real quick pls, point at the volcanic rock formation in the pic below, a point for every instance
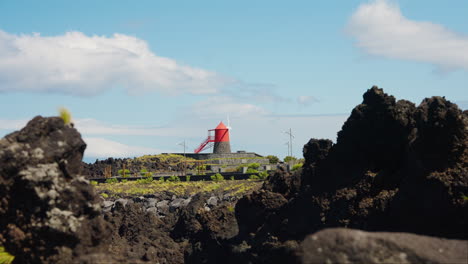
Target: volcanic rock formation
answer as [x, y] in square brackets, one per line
[395, 167]
[48, 213]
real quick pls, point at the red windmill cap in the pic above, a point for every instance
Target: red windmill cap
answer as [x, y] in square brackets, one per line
[221, 126]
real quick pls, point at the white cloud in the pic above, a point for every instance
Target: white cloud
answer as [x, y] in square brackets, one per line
[380, 29]
[222, 106]
[89, 126]
[104, 148]
[75, 63]
[8, 124]
[306, 99]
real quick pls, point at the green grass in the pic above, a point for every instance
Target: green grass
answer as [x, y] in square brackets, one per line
[5, 257]
[135, 188]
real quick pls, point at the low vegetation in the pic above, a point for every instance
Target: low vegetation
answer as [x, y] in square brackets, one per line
[65, 115]
[217, 177]
[143, 187]
[273, 159]
[297, 166]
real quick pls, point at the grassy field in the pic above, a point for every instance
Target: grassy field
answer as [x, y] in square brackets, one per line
[135, 188]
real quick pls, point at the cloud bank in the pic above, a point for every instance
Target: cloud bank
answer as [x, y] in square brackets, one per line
[223, 106]
[381, 29]
[104, 148]
[77, 64]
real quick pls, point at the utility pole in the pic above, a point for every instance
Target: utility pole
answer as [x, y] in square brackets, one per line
[287, 143]
[185, 159]
[290, 152]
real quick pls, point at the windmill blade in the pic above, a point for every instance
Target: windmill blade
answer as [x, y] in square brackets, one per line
[228, 123]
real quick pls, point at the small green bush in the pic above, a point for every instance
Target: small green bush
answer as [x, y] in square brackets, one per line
[254, 177]
[231, 178]
[254, 166]
[145, 173]
[173, 178]
[263, 175]
[187, 178]
[65, 115]
[123, 173]
[272, 159]
[296, 166]
[94, 183]
[217, 177]
[145, 180]
[104, 195]
[161, 179]
[112, 180]
[251, 170]
[124, 181]
[289, 158]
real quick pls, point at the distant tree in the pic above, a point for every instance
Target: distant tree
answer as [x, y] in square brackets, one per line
[273, 159]
[289, 158]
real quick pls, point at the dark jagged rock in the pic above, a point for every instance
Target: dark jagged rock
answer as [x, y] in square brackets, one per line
[140, 235]
[283, 182]
[442, 133]
[395, 167]
[48, 213]
[252, 210]
[340, 245]
[315, 151]
[205, 230]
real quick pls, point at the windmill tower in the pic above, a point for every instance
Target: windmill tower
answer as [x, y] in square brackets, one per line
[220, 140]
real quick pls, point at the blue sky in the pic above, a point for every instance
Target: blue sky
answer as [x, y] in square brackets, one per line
[140, 77]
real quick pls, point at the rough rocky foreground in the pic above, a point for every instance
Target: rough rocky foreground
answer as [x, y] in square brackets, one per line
[395, 167]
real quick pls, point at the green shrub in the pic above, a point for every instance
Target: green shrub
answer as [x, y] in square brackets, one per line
[251, 170]
[217, 177]
[231, 178]
[65, 115]
[123, 173]
[112, 180]
[161, 179]
[145, 173]
[296, 166]
[124, 181]
[145, 180]
[187, 178]
[263, 175]
[173, 178]
[289, 158]
[273, 159]
[94, 183]
[254, 166]
[104, 195]
[254, 177]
